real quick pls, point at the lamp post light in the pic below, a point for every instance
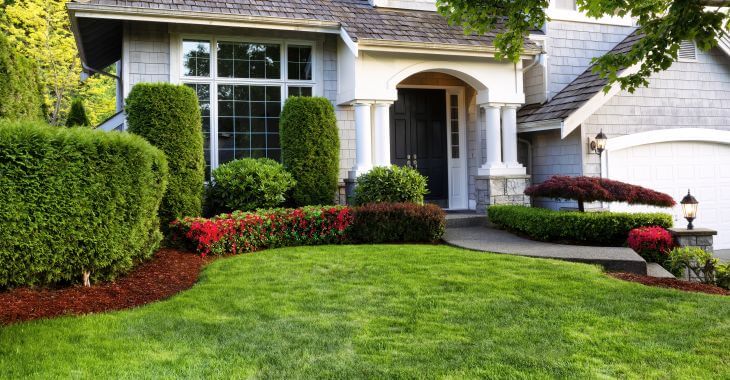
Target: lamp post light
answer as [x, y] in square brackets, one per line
[600, 143]
[689, 209]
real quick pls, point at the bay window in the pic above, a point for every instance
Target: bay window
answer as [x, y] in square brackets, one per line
[241, 86]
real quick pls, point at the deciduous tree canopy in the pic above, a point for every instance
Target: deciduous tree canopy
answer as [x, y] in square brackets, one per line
[664, 24]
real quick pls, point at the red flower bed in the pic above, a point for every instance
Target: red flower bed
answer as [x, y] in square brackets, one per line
[592, 189]
[242, 232]
[652, 243]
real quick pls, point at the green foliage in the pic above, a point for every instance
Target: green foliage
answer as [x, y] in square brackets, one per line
[77, 115]
[310, 149]
[722, 275]
[694, 262]
[249, 184]
[390, 184]
[663, 25]
[398, 223]
[388, 312]
[592, 228]
[74, 200]
[20, 95]
[168, 116]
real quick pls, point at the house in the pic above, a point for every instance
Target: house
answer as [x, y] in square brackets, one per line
[411, 90]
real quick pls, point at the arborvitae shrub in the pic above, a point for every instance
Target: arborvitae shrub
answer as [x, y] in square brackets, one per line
[20, 91]
[75, 200]
[310, 149]
[169, 118]
[77, 115]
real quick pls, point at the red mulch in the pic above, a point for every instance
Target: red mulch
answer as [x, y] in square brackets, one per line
[169, 272]
[672, 283]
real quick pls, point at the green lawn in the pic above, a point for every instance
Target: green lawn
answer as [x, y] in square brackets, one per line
[388, 311]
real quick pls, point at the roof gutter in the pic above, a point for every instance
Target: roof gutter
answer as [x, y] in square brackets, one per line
[79, 10]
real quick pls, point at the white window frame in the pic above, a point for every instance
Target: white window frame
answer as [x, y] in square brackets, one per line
[177, 77]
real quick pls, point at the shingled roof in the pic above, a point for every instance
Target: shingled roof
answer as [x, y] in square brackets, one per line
[360, 19]
[575, 94]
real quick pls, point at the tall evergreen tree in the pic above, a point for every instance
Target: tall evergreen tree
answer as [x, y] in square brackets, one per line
[77, 115]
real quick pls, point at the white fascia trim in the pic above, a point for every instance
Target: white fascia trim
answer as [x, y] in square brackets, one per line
[352, 45]
[202, 18]
[555, 14]
[535, 126]
[434, 48]
[580, 115]
[668, 135]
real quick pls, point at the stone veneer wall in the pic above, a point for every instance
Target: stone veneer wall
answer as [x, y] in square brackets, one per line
[501, 190]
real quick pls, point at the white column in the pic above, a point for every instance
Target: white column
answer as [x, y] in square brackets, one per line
[494, 139]
[381, 134]
[509, 135]
[363, 141]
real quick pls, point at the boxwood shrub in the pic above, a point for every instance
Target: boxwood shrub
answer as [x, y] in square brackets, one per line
[75, 200]
[391, 184]
[591, 228]
[310, 149]
[398, 223]
[169, 118]
[248, 184]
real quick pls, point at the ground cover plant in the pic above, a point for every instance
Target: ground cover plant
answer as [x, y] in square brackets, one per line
[388, 311]
[75, 203]
[591, 228]
[592, 189]
[398, 223]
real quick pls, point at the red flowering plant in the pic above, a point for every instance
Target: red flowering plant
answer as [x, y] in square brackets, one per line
[653, 243]
[241, 232]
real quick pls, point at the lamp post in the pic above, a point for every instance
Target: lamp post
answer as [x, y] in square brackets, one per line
[689, 209]
[600, 143]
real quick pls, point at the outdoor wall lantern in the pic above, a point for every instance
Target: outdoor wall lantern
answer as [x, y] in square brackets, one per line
[598, 144]
[689, 209]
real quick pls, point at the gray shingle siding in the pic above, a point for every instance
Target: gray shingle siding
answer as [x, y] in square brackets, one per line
[572, 45]
[551, 156]
[687, 95]
[149, 52]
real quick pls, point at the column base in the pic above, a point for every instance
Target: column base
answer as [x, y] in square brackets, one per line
[356, 172]
[501, 189]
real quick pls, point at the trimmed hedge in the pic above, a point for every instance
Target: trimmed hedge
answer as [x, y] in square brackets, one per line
[310, 149]
[398, 223]
[75, 200]
[248, 184]
[592, 228]
[392, 184]
[168, 116]
[21, 96]
[242, 232]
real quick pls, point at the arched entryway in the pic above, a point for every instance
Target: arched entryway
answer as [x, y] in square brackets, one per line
[428, 132]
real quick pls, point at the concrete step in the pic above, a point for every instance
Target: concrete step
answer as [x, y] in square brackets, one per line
[656, 270]
[464, 219]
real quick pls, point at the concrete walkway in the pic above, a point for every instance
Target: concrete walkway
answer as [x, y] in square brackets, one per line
[481, 238]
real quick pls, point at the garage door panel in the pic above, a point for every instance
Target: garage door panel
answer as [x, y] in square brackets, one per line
[674, 167]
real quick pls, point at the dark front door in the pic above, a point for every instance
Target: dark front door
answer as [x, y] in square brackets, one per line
[418, 138]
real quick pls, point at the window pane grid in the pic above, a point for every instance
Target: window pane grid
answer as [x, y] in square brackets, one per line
[249, 61]
[454, 123]
[299, 62]
[203, 93]
[196, 58]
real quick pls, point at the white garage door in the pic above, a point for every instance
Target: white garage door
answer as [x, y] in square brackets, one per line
[675, 167]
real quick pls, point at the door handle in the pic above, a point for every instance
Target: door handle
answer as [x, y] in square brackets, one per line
[415, 161]
[408, 161]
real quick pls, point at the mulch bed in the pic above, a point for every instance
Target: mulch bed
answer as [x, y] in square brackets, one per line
[672, 283]
[169, 272]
